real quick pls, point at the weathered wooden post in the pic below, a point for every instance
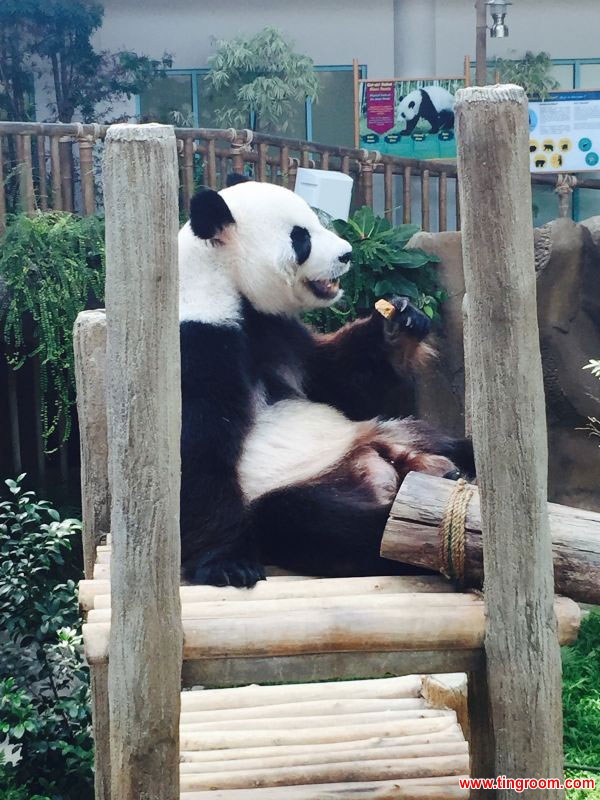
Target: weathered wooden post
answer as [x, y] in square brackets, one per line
[144, 418]
[509, 432]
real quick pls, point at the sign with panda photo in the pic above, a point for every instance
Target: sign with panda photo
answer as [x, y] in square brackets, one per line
[410, 118]
[564, 132]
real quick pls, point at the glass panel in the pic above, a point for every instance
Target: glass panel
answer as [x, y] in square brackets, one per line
[588, 202]
[333, 113]
[545, 204]
[563, 73]
[589, 76]
[168, 100]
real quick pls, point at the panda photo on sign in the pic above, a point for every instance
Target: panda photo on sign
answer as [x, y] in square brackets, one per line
[285, 457]
[434, 104]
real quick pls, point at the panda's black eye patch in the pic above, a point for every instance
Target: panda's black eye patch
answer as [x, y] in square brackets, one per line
[301, 243]
[411, 104]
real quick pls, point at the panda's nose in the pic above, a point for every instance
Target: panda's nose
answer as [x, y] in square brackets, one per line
[345, 258]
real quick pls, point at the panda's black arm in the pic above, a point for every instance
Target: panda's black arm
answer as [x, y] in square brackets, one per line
[356, 368]
[216, 408]
[410, 126]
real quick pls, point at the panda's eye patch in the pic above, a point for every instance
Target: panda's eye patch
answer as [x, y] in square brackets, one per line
[301, 243]
[411, 104]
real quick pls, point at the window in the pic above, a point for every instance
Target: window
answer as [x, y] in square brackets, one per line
[185, 98]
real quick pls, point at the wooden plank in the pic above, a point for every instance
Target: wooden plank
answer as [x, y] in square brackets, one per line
[211, 164]
[388, 191]
[187, 172]
[26, 192]
[523, 658]
[220, 672]
[89, 345]
[65, 148]
[144, 421]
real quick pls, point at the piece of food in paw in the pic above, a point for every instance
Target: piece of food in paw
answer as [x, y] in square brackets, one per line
[385, 308]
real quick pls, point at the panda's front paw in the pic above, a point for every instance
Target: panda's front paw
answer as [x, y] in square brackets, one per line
[407, 320]
[243, 573]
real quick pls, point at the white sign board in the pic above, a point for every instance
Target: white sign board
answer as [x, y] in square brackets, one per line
[564, 132]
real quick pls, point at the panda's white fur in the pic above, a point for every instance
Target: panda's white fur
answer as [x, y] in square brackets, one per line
[279, 428]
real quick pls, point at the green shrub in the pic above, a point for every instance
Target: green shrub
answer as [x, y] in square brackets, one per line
[51, 264]
[381, 267]
[581, 706]
[44, 686]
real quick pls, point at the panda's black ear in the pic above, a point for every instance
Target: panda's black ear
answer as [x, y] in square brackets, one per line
[209, 214]
[236, 177]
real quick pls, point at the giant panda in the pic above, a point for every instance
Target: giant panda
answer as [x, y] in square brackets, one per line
[432, 103]
[284, 458]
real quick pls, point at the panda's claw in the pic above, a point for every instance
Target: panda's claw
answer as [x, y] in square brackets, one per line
[242, 573]
[407, 320]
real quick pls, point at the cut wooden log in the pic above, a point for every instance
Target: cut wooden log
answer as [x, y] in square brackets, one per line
[309, 708]
[222, 740]
[96, 593]
[412, 536]
[342, 628]
[317, 721]
[233, 608]
[446, 788]
[250, 696]
[318, 754]
[395, 769]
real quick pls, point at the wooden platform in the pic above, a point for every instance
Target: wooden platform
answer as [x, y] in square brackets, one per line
[369, 739]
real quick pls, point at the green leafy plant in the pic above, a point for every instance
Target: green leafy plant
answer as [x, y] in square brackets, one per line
[593, 424]
[382, 266]
[44, 688]
[262, 79]
[532, 72]
[50, 266]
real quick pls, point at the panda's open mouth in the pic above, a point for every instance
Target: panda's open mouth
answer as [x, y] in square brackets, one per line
[324, 289]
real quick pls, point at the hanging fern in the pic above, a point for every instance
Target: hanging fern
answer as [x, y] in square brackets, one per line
[50, 265]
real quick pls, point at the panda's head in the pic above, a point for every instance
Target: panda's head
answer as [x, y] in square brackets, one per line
[269, 245]
[409, 106]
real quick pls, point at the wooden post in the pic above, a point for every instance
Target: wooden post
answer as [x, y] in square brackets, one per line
[144, 420]
[89, 344]
[356, 86]
[406, 195]
[86, 169]
[26, 191]
[2, 193]
[509, 432]
[284, 164]
[65, 148]
[388, 192]
[211, 165]
[57, 203]
[42, 176]
[187, 172]
[480, 43]
[425, 219]
[442, 202]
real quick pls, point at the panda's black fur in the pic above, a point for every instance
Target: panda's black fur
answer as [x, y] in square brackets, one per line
[239, 370]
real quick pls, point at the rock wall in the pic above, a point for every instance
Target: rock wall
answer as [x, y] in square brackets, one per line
[568, 303]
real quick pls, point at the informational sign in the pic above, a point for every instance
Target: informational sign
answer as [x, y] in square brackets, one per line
[564, 132]
[409, 118]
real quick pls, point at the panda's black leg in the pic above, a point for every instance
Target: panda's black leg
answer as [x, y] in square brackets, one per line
[320, 530]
